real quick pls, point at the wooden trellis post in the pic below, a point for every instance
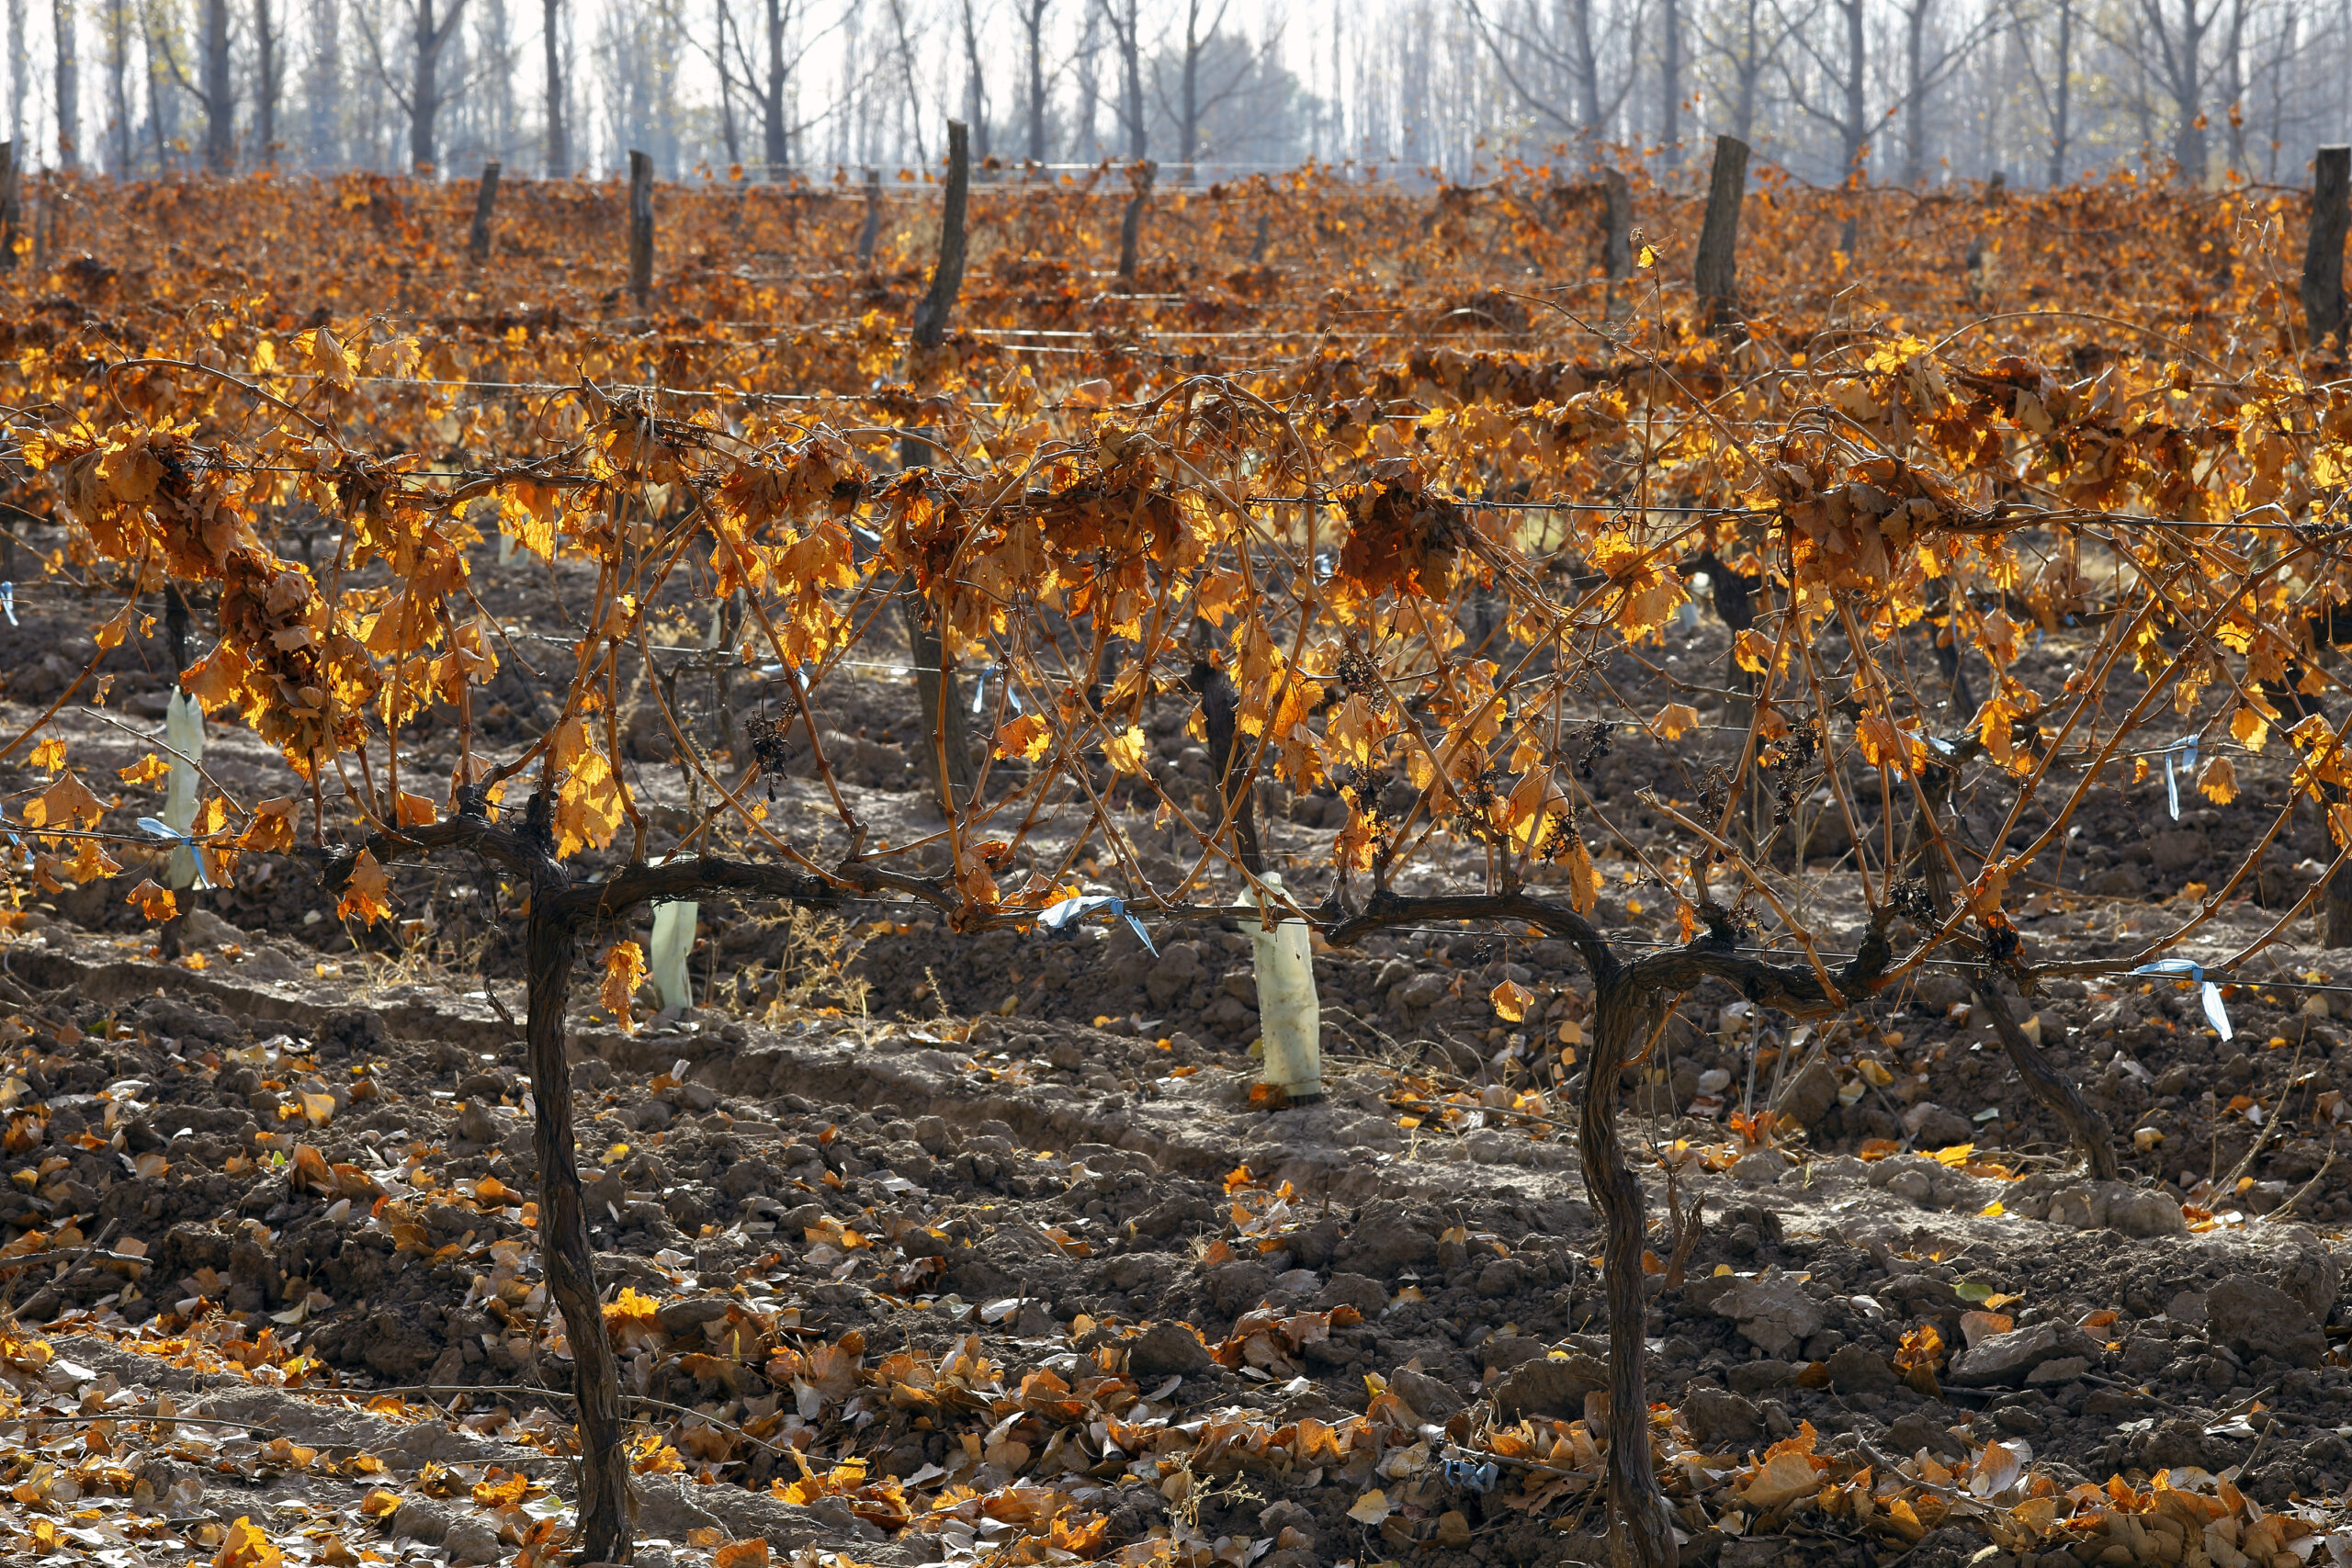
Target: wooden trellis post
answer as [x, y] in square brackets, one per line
[872, 232]
[9, 215]
[485, 199]
[2324, 255]
[640, 227]
[1717, 271]
[1131, 224]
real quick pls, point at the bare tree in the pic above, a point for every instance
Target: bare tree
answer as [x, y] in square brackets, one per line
[2234, 82]
[558, 143]
[976, 95]
[1540, 71]
[1032, 33]
[1194, 98]
[323, 84]
[269, 79]
[218, 94]
[69, 86]
[119, 127]
[2054, 89]
[162, 107]
[1925, 69]
[1084, 141]
[906, 60]
[728, 130]
[1669, 78]
[213, 88]
[1125, 20]
[2177, 33]
[1846, 68]
[774, 136]
[1736, 36]
[20, 73]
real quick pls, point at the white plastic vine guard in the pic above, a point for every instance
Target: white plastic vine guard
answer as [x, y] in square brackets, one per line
[184, 735]
[1290, 1019]
[673, 942]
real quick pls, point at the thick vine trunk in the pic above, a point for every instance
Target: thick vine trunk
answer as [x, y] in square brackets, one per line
[2086, 1127]
[1229, 749]
[550, 945]
[947, 750]
[1640, 1532]
[559, 912]
[2335, 909]
[1131, 226]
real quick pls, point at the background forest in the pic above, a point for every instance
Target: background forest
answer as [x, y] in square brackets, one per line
[1901, 91]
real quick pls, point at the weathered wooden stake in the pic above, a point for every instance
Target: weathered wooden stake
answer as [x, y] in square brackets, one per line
[1716, 273]
[2324, 256]
[1616, 226]
[640, 227]
[873, 230]
[9, 182]
[948, 758]
[947, 275]
[1131, 224]
[485, 199]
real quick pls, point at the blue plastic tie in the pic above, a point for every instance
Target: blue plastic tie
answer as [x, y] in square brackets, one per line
[8, 601]
[2186, 749]
[1465, 1476]
[1055, 917]
[160, 830]
[2189, 969]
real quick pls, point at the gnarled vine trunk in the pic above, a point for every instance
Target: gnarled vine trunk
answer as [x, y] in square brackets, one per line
[550, 942]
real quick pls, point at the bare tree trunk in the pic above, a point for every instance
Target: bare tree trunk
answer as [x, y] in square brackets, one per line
[1914, 91]
[2062, 94]
[485, 202]
[1855, 126]
[1188, 131]
[1127, 36]
[424, 100]
[976, 95]
[2233, 80]
[1670, 81]
[269, 80]
[1032, 23]
[119, 127]
[640, 227]
[322, 86]
[1585, 63]
[218, 93]
[69, 86]
[559, 148]
[728, 130]
[774, 141]
[19, 73]
[2322, 282]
